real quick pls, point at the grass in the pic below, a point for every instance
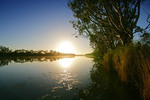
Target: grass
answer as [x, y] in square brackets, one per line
[132, 63]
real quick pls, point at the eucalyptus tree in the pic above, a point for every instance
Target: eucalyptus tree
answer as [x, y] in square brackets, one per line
[106, 23]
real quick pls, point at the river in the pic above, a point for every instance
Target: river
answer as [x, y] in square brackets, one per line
[74, 78]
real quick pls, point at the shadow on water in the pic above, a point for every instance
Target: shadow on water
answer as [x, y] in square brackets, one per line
[105, 85]
[7, 60]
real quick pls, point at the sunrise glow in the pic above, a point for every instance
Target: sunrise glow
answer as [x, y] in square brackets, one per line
[65, 47]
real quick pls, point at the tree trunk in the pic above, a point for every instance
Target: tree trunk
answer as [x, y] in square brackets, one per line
[125, 38]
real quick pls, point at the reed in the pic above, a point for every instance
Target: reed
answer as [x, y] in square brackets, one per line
[132, 63]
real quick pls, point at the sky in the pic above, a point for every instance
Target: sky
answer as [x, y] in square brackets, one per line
[38, 24]
[43, 24]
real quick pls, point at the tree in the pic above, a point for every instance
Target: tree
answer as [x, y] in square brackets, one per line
[4, 49]
[144, 33]
[106, 22]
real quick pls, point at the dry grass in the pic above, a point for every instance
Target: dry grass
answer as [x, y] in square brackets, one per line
[132, 63]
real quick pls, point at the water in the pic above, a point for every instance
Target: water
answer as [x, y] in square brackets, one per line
[77, 78]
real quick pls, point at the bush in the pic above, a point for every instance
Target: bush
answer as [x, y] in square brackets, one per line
[132, 63]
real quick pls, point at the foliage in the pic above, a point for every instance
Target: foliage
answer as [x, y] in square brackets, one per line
[145, 38]
[132, 63]
[107, 23]
[4, 49]
[110, 25]
[6, 52]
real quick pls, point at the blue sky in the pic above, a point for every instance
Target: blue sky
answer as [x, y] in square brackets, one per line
[38, 24]
[42, 24]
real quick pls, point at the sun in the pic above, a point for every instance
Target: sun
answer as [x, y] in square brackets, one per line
[65, 47]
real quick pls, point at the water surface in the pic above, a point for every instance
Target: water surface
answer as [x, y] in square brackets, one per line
[77, 78]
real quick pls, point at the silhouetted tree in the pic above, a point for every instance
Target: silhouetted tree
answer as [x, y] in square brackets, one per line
[4, 49]
[107, 23]
[6, 52]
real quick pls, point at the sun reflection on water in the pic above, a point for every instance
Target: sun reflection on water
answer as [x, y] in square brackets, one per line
[65, 80]
[66, 62]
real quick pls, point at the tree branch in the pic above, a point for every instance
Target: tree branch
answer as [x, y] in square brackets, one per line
[119, 13]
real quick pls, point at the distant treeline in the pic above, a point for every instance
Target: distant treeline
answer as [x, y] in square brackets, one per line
[6, 52]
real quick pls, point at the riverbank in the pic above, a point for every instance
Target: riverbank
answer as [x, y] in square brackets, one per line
[132, 63]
